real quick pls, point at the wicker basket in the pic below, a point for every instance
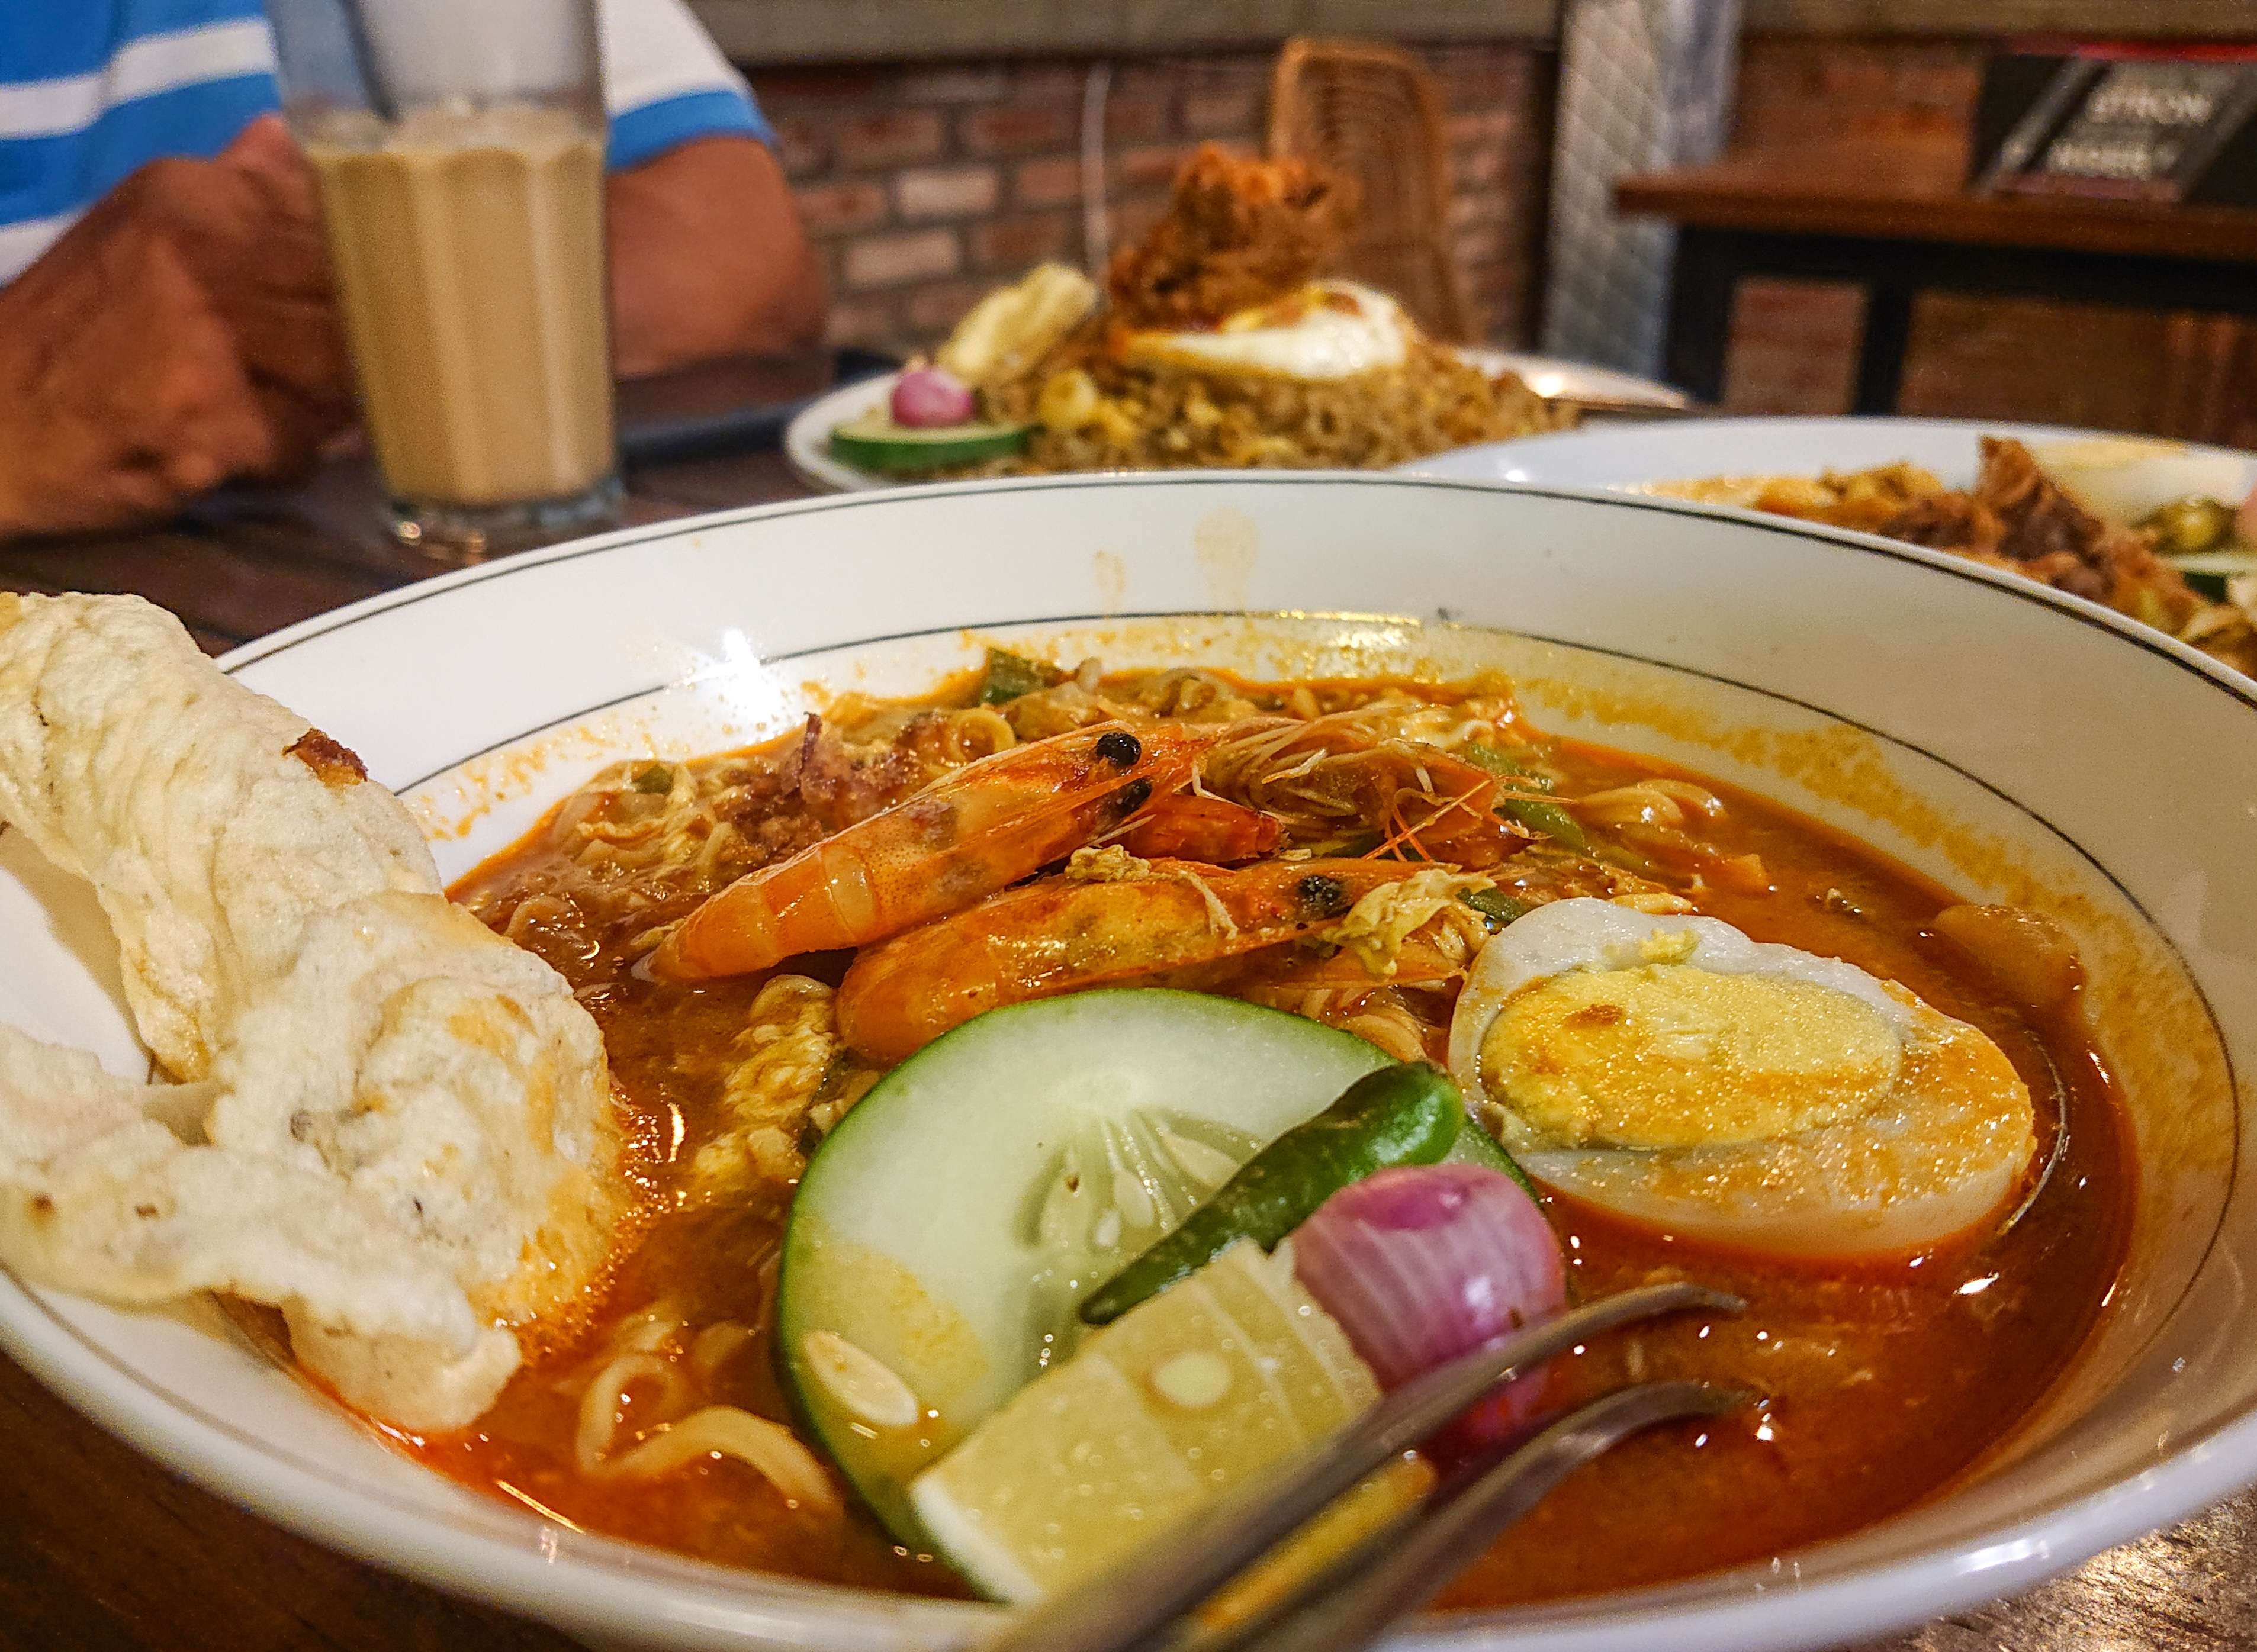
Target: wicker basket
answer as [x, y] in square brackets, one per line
[1371, 112]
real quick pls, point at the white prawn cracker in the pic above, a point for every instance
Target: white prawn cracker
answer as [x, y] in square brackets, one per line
[395, 1126]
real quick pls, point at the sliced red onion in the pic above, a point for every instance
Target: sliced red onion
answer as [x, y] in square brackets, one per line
[1422, 1263]
[925, 397]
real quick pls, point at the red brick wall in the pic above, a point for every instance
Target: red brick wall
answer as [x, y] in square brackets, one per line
[1800, 91]
[924, 186]
[1793, 347]
[1794, 344]
[2172, 373]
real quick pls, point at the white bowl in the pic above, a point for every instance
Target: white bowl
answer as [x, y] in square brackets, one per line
[2017, 744]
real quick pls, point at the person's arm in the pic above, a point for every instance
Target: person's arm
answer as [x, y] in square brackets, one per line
[708, 258]
[180, 333]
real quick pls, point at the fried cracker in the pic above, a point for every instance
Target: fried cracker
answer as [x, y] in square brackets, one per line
[399, 1128]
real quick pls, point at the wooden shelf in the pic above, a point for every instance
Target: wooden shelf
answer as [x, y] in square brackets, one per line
[1919, 194]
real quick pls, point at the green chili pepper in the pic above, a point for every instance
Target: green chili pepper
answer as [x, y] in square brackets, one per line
[1402, 1114]
[2186, 526]
[1495, 908]
[1010, 675]
[1506, 766]
[657, 780]
[1495, 759]
[1541, 814]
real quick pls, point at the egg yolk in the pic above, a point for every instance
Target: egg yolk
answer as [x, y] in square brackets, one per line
[1670, 1055]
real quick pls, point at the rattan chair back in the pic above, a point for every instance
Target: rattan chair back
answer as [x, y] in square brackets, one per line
[1372, 112]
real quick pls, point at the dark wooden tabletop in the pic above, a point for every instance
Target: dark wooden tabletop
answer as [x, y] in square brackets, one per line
[1917, 192]
[103, 1551]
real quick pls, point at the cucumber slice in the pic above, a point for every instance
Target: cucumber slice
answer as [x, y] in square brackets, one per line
[1402, 1114]
[873, 442]
[947, 1232]
[2207, 571]
[2232, 559]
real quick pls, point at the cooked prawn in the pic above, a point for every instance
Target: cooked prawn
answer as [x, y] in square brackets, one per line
[1345, 782]
[1171, 922]
[1186, 827]
[964, 837]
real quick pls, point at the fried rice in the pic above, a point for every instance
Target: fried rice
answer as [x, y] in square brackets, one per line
[1127, 416]
[1239, 233]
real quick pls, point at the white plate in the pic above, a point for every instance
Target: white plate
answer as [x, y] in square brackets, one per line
[807, 439]
[1555, 376]
[1683, 449]
[2010, 741]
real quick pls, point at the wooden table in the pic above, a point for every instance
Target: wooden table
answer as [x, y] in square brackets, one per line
[1899, 220]
[103, 1551]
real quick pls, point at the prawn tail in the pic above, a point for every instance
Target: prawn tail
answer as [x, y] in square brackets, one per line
[734, 933]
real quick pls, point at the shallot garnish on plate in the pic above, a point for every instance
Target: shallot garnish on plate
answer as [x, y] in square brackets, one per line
[925, 398]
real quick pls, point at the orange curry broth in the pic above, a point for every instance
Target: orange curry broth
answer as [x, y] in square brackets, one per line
[1887, 1380]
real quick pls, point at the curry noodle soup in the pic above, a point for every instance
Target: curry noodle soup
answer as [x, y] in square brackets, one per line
[1889, 1374]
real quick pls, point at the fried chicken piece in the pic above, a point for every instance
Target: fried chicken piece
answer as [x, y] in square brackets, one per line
[2040, 519]
[2018, 518]
[1238, 232]
[1949, 521]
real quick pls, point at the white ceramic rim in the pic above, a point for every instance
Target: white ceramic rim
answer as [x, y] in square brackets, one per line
[1573, 381]
[807, 438]
[611, 1585]
[1816, 434]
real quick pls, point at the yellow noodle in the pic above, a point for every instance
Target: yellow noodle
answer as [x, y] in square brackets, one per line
[1133, 416]
[605, 1400]
[1638, 804]
[976, 732]
[1393, 1028]
[1699, 798]
[768, 1447]
[716, 1345]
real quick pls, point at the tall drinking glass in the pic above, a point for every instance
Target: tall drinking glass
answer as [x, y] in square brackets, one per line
[460, 149]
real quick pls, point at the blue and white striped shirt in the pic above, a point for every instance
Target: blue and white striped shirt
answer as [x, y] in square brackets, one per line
[91, 89]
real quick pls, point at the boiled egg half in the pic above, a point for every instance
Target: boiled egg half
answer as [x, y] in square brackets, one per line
[1324, 331]
[1675, 1071]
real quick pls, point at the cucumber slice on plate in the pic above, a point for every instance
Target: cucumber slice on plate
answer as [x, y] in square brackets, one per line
[873, 442]
[947, 1232]
[2207, 571]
